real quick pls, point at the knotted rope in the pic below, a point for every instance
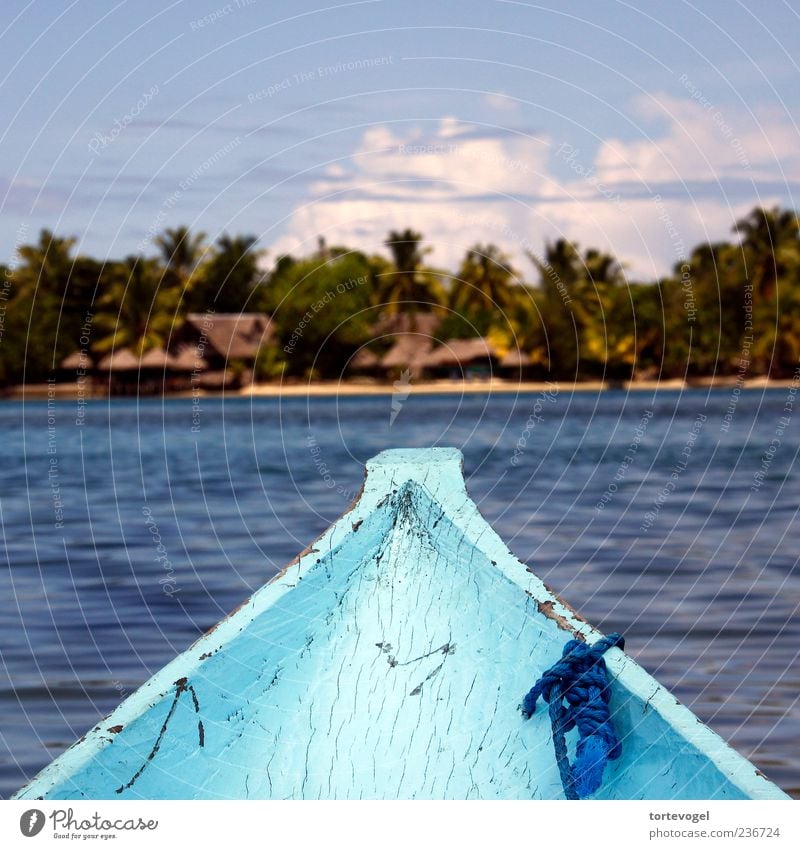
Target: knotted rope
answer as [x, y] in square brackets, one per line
[580, 679]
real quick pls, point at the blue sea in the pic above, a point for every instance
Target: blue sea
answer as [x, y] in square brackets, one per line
[131, 527]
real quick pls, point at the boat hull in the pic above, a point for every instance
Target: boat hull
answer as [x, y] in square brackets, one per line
[388, 661]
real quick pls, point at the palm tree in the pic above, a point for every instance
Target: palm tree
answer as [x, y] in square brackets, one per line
[409, 287]
[482, 291]
[770, 241]
[181, 250]
[138, 309]
[407, 254]
[45, 267]
[605, 319]
[603, 270]
[484, 280]
[561, 279]
[559, 271]
[226, 282]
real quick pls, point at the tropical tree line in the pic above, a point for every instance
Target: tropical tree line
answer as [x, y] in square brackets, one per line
[733, 307]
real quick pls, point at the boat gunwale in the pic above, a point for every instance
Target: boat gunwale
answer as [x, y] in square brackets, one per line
[385, 474]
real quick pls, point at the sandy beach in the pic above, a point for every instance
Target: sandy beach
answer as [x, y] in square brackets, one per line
[70, 391]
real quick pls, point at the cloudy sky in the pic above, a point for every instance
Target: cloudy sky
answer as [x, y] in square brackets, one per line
[638, 127]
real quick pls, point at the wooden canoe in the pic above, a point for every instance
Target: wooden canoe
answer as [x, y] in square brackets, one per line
[389, 661]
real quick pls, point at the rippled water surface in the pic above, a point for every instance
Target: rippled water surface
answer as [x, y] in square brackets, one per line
[693, 555]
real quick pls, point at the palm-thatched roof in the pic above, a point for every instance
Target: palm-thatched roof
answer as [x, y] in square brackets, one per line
[187, 358]
[460, 352]
[121, 359]
[365, 359]
[156, 358]
[515, 359]
[235, 336]
[409, 349]
[76, 360]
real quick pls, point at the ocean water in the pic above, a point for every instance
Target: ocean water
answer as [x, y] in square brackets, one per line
[129, 528]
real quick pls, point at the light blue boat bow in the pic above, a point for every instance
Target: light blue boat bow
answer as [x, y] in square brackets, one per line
[388, 661]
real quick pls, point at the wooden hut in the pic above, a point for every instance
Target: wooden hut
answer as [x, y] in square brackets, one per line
[119, 370]
[515, 365]
[462, 358]
[227, 344]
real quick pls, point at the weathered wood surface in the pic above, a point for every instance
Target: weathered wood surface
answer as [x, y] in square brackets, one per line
[388, 662]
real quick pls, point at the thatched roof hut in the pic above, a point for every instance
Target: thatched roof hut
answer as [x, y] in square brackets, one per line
[228, 336]
[119, 360]
[408, 351]
[187, 358]
[460, 353]
[76, 360]
[156, 358]
[215, 380]
[364, 360]
[515, 359]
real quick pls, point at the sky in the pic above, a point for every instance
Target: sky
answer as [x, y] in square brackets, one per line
[641, 128]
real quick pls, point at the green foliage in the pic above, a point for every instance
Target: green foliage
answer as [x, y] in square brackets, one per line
[482, 291]
[407, 286]
[732, 308]
[321, 311]
[227, 281]
[138, 309]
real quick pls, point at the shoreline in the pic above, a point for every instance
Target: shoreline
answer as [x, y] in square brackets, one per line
[72, 392]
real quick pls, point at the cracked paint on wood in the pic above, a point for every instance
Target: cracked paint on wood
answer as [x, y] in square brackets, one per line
[388, 662]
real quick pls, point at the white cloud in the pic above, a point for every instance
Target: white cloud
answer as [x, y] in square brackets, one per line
[649, 200]
[501, 102]
[702, 142]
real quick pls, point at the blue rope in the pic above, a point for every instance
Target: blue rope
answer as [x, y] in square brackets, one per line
[580, 679]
